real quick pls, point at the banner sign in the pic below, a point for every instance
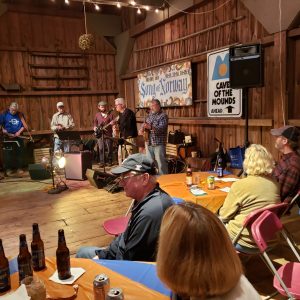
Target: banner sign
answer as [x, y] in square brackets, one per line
[222, 100]
[171, 84]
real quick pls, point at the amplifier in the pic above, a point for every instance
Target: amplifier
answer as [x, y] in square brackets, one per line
[77, 164]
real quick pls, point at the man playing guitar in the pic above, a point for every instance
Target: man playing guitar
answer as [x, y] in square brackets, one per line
[102, 126]
[13, 124]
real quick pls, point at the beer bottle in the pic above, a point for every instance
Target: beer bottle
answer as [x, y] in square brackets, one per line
[37, 249]
[189, 176]
[24, 259]
[63, 257]
[4, 271]
[220, 167]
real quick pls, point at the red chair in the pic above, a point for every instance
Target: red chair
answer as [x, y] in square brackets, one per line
[287, 277]
[118, 225]
[278, 209]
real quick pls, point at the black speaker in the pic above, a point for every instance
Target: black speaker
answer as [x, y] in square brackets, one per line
[246, 66]
[38, 172]
[77, 164]
[99, 179]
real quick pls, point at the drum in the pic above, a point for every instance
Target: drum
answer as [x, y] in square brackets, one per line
[175, 165]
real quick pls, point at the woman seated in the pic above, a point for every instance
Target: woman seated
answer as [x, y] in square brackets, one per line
[256, 191]
[196, 259]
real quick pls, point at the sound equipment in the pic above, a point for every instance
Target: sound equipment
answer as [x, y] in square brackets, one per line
[246, 66]
[77, 164]
[38, 172]
[99, 179]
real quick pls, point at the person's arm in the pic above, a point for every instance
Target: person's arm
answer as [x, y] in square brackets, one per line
[289, 182]
[53, 125]
[19, 132]
[71, 123]
[230, 207]
[111, 251]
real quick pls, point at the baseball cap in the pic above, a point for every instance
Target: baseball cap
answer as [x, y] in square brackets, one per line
[136, 162]
[102, 103]
[289, 132]
[58, 104]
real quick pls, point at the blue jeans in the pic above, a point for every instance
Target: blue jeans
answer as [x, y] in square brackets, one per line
[59, 145]
[158, 153]
[87, 252]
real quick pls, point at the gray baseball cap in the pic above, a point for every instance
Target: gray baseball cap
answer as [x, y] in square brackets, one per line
[136, 162]
[289, 132]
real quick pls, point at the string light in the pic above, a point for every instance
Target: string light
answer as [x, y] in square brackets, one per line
[147, 7]
[156, 10]
[67, 2]
[139, 11]
[133, 3]
[118, 5]
[97, 7]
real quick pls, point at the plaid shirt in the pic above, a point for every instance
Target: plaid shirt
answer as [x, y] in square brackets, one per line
[159, 131]
[287, 173]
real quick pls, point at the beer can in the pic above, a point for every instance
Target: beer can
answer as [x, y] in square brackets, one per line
[101, 286]
[211, 182]
[115, 294]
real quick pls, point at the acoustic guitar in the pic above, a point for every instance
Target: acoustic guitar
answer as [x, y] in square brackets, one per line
[10, 135]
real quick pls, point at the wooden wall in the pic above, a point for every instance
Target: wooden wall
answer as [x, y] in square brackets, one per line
[40, 52]
[193, 35]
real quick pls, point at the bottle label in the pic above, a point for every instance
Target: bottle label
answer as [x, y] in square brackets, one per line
[4, 279]
[25, 269]
[220, 172]
[38, 259]
[189, 180]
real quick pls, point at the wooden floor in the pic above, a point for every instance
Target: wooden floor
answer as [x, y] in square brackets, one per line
[81, 210]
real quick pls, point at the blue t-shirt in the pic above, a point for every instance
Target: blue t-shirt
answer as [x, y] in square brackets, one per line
[12, 123]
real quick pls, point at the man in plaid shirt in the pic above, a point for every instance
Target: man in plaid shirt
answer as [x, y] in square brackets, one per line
[157, 126]
[287, 170]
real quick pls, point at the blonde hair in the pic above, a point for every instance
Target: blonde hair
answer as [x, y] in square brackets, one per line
[195, 256]
[258, 160]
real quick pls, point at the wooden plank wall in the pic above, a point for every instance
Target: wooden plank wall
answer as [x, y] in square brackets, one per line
[27, 38]
[231, 24]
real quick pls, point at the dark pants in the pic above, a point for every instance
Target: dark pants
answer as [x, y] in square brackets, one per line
[108, 146]
[13, 153]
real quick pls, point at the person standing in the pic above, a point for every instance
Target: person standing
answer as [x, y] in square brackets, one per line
[287, 170]
[103, 126]
[157, 126]
[127, 128]
[61, 121]
[13, 127]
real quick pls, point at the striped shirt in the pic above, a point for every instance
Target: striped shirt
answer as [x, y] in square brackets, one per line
[159, 131]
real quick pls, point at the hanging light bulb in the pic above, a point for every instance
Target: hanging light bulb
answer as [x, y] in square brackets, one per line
[118, 5]
[67, 2]
[147, 7]
[133, 3]
[97, 7]
[139, 11]
[156, 10]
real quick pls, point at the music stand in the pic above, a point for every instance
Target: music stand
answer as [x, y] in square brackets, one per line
[67, 136]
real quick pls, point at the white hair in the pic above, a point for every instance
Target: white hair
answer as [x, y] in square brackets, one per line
[14, 105]
[120, 101]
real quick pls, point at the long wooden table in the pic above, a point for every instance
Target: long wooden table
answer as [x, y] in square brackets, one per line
[132, 290]
[175, 186]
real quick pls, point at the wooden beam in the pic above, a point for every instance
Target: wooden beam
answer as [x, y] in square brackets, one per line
[47, 132]
[58, 93]
[294, 33]
[217, 122]
[294, 122]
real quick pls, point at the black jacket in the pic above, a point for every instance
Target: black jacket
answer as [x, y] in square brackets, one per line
[139, 241]
[127, 124]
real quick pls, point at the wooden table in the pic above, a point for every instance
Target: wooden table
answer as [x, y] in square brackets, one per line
[132, 290]
[175, 186]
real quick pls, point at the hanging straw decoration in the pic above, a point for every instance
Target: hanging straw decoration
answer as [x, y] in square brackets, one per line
[86, 41]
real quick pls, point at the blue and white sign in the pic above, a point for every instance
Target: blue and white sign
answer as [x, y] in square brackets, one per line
[222, 101]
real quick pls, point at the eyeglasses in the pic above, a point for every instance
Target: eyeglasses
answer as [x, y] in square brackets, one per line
[123, 178]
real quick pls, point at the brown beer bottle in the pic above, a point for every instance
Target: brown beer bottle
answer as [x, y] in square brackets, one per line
[24, 259]
[37, 249]
[189, 176]
[4, 271]
[63, 257]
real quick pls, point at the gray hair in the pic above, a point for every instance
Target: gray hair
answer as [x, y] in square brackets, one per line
[14, 105]
[120, 101]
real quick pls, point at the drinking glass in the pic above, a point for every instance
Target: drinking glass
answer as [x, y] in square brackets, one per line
[35, 287]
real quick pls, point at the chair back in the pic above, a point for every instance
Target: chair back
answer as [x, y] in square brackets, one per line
[264, 229]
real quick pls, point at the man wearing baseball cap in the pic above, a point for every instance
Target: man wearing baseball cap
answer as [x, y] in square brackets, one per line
[103, 122]
[287, 170]
[60, 121]
[139, 241]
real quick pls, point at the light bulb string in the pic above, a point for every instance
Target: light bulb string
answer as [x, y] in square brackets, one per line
[84, 17]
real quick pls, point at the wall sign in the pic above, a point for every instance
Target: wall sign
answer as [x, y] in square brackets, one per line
[222, 101]
[171, 84]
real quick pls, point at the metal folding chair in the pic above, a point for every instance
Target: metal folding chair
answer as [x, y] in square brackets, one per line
[286, 278]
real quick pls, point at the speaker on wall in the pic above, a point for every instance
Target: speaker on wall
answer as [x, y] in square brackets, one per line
[99, 179]
[77, 164]
[246, 66]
